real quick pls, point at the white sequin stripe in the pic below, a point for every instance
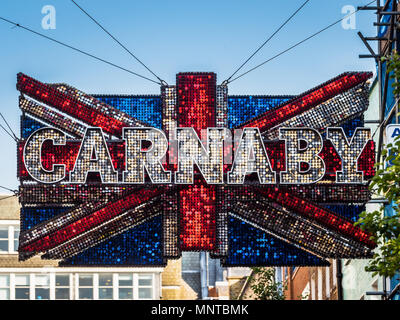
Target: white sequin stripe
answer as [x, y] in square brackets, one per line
[330, 113]
[52, 117]
[100, 106]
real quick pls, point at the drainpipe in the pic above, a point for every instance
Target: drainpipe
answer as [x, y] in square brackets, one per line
[203, 275]
[339, 277]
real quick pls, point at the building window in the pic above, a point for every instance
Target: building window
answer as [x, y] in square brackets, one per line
[62, 287]
[313, 289]
[125, 286]
[15, 238]
[278, 274]
[327, 282]
[22, 287]
[145, 285]
[4, 287]
[319, 291]
[305, 295]
[42, 287]
[3, 238]
[80, 286]
[85, 286]
[9, 235]
[334, 275]
[106, 286]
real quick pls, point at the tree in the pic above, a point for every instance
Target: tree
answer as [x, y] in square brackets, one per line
[393, 68]
[264, 286]
[385, 230]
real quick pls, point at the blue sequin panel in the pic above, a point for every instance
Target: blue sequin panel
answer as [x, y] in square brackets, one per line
[29, 126]
[243, 108]
[249, 246]
[140, 245]
[143, 108]
[31, 217]
[350, 126]
[350, 212]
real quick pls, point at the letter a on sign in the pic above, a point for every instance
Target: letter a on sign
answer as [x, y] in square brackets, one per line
[93, 156]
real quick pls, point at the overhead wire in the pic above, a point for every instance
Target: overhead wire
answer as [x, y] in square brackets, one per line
[117, 41]
[6, 131]
[266, 41]
[299, 43]
[11, 130]
[15, 192]
[79, 50]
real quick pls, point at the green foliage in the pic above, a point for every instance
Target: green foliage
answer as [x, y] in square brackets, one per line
[393, 65]
[385, 230]
[303, 296]
[262, 282]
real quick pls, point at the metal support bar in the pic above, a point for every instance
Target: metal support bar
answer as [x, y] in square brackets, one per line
[383, 294]
[375, 293]
[381, 24]
[385, 89]
[373, 54]
[394, 292]
[384, 288]
[391, 13]
[383, 201]
[339, 276]
[377, 39]
[369, 8]
[365, 56]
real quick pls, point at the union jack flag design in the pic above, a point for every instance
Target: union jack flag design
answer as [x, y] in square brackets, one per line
[145, 225]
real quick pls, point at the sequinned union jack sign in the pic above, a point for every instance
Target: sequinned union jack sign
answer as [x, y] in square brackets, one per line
[137, 179]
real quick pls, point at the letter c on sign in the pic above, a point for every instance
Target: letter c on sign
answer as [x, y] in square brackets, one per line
[32, 155]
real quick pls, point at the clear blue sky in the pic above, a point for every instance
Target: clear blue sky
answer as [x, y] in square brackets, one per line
[174, 36]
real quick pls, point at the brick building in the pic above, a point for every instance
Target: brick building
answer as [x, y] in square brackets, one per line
[38, 279]
[311, 283]
[303, 283]
[194, 276]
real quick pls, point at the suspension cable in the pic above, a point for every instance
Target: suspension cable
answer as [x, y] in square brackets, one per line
[299, 43]
[78, 50]
[117, 41]
[266, 41]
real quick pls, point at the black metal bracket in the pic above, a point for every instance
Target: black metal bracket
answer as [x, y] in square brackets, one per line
[369, 8]
[373, 54]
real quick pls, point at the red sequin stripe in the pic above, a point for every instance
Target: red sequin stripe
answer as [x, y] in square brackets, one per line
[307, 100]
[96, 218]
[196, 97]
[197, 208]
[68, 104]
[67, 154]
[319, 193]
[319, 214]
